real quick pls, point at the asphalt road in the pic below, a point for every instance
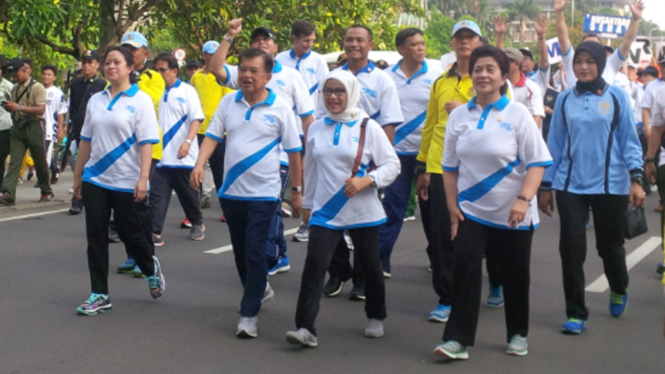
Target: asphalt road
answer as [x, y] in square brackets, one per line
[43, 277]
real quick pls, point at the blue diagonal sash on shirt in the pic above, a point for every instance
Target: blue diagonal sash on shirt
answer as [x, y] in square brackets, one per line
[409, 127]
[481, 188]
[174, 130]
[105, 162]
[238, 169]
[333, 206]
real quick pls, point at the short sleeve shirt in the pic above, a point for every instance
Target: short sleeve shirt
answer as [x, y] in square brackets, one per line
[210, 94]
[254, 133]
[56, 104]
[179, 108]
[414, 94]
[492, 149]
[5, 94]
[528, 93]
[311, 66]
[116, 127]
[34, 97]
[541, 77]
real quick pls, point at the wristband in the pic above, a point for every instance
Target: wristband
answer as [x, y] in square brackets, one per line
[650, 160]
[228, 39]
[296, 189]
[523, 198]
[188, 141]
[421, 168]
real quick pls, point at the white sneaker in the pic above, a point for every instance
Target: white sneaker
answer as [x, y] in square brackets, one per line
[302, 337]
[247, 327]
[374, 328]
[302, 235]
[518, 346]
[347, 238]
[268, 294]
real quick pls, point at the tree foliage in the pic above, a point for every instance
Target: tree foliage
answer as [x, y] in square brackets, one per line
[522, 9]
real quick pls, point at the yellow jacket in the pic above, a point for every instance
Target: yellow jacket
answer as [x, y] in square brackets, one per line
[450, 86]
[152, 83]
[211, 93]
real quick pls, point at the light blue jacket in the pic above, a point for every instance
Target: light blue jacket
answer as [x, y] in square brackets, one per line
[594, 143]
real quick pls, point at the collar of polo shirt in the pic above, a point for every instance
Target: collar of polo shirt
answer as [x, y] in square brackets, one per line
[269, 101]
[130, 92]
[292, 53]
[522, 81]
[329, 121]
[277, 68]
[422, 70]
[176, 85]
[367, 69]
[500, 104]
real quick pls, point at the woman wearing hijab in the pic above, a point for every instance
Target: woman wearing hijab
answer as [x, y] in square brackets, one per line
[337, 199]
[597, 164]
[493, 162]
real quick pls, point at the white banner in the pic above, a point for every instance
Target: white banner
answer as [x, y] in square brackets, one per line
[641, 51]
[553, 50]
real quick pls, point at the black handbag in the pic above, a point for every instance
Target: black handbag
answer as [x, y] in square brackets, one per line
[636, 223]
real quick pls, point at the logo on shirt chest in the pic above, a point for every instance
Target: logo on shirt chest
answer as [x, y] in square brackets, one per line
[270, 119]
[505, 126]
[427, 81]
[181, 100]
[604, 107]
[310, 70]
[281, 83]
[369, 92]
[130, 108]
[355, 139]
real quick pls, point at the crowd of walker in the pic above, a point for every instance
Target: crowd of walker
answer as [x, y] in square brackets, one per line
[483, 144]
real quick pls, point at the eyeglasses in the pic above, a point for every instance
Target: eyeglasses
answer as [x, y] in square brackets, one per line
[163, 70]
[337, 91]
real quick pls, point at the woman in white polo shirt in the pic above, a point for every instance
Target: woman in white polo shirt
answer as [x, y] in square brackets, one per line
[337, 199]
[112, 172]
[494, 159]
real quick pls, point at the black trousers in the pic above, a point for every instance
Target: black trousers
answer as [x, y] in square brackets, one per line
[436, 223]
[341, 268]
[133, 222]
[163, 181]
[510, 250]
[216, 161]
[320, 248]
[4, 151]
[249, 223]
[608, 220]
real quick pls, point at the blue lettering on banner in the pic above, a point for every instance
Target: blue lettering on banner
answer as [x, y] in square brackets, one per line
[598, 23]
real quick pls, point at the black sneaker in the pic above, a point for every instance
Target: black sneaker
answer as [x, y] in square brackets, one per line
[157, 240]
[357, 293]
[46, 197]
[333, 287]
[55, 177]
[6, 200]
[197, 232]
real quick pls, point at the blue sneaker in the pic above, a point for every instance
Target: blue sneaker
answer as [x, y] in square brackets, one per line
[127, 267]
[618, 304]
[440, 314]
[282, 266]
[157, 282]
[574, 326]
[96, 303]
[495, 298]
[661, 269]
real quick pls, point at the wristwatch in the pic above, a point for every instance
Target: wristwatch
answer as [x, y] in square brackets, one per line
[373, 181]
[296, 189]
[228, 39]
[20, 108]
[638, 180]
[188, 141]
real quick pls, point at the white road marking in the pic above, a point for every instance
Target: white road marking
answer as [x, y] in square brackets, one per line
[229, 247]
[601, 284]
[33, 215]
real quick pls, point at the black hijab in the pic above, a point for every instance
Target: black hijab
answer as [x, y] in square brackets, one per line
[596, 50]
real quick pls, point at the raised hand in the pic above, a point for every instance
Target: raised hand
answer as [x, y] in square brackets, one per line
[500, 26]
[560, 5]
[637, 7]
[235, 27]
[541, 24]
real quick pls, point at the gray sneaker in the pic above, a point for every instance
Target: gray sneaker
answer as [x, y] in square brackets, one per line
[205, 201]
[518, 346]
[302, 235]
[268, 294]
[452, 350]
[302, 337]
[247, 327]
[198, 232]
[374, 328]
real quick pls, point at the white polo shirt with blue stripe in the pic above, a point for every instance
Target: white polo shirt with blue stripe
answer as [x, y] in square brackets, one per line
[116, 127]
[330, 154]
[254, 134]
[180, 107]
[378, 96]
[492, 149]
[541, 77]
[414, 95]
[311, 66]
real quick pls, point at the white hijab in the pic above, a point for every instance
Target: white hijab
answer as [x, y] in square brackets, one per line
[352, 85]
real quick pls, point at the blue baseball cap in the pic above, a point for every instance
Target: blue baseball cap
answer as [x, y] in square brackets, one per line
[649, 70]
[210, 47]
[135, 39]
[468, 25]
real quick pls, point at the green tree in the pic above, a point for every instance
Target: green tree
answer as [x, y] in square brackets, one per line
[438, 34]
[521, 10]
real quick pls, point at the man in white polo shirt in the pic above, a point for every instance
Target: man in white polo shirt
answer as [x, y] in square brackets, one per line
[525, 90]
[290, 86]
[379, 98]
[180, 115]
[413, 78]
[256, 122]
[54, 116]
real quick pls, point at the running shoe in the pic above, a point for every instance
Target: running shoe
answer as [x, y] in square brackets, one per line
[223, 218]
[661, 269]
[31, 173]
[573, 326]
[495, 297]
[302, 337]
[55, 176]
[46, 197]
[452, 350]
[205, 201]
[185, 224]
[137, 272]
[113, 236]
[247, 327]
[282, 266]
[409, 218]
[96, 303]
[157, 240]
[440, 314]
[517, 346]
[198, 232]
[302, 235]
[618, 304]
[6, 200]
[127, 267]
[347, 238]
[333, 287]
[286, 210]
[157, 282]
[357, 293]
[268, 294]
[374, 328]
[386, 271]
